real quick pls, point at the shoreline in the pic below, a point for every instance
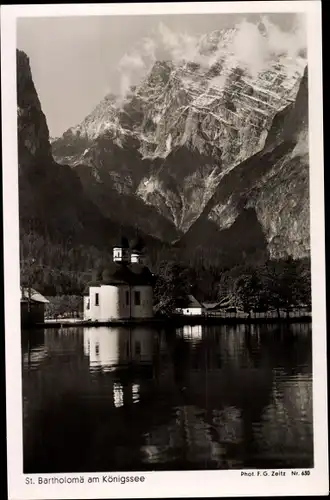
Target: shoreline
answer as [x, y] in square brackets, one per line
[174, 321]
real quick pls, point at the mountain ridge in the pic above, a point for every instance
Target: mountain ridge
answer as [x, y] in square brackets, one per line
[46, 202]
[279, 170]
[196, 146]
[177, 134]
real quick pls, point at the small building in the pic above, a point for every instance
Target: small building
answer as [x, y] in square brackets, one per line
[125, 290]
[190, 307]
[32, 307]
[211, 306]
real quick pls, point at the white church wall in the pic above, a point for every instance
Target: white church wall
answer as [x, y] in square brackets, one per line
[87, 311]
[94, 303]
[110, 302]
[142, 308]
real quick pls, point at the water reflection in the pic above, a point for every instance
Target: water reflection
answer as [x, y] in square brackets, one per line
[34, 350]
[192, 398]
[193, 333]
[109, 349]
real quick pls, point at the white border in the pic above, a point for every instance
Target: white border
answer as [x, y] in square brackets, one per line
[163, 484]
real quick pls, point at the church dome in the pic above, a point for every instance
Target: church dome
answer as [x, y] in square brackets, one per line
[133, 274]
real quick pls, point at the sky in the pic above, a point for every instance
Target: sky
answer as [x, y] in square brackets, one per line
[76, 61]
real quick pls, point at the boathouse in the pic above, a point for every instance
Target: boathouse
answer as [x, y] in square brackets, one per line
[125, 290]
[32, 307]
[190, 307]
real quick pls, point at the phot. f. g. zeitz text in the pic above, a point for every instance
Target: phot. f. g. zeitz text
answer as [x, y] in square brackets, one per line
[263, 473]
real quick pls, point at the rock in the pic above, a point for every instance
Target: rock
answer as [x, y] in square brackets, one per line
[187, 129]
[52, 199]
[274, 183]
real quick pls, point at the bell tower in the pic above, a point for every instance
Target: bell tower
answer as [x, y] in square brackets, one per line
[137, 255]
[121, 253]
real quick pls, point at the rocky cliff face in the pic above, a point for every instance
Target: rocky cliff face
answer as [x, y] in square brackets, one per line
[184, 128]
[45, 187]
[33, 135]
[281, 197]
[52, 200]
[198, 144]
[272, 187]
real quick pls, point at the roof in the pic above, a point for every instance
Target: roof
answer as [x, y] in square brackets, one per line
[211, 305]
[33, 295]
[190, 302]
[228, 301]
[119, 273]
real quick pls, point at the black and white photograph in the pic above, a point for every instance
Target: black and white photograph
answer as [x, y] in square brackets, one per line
[165, 319]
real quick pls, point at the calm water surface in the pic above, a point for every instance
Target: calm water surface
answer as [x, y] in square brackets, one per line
[116, 399]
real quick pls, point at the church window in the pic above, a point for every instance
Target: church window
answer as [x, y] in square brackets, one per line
[137, 298]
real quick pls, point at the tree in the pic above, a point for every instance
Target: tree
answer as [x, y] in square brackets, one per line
[290, 284]
[282, 285]
[305, 290]
[28, 278]
[248, 292]
[171, 287]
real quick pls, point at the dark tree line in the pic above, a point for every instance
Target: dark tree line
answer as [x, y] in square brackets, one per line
[55, 269]
[275, 285]
[64, 269]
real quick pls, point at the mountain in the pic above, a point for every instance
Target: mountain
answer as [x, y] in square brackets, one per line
[52, 200]
[191, 128]
[263, 203]
[110, 167]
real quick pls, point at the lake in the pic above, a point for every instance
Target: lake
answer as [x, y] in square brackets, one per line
[196, 397]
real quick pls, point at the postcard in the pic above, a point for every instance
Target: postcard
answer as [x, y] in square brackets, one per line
[164, 246]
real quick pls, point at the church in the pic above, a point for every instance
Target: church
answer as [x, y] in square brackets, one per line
[125, 290]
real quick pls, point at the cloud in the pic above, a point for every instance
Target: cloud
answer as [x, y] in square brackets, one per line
[133, 61]
[131, 67]
[135, 65]
[291, 44]
[180, 46]
[252, 45]
[249, 47]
